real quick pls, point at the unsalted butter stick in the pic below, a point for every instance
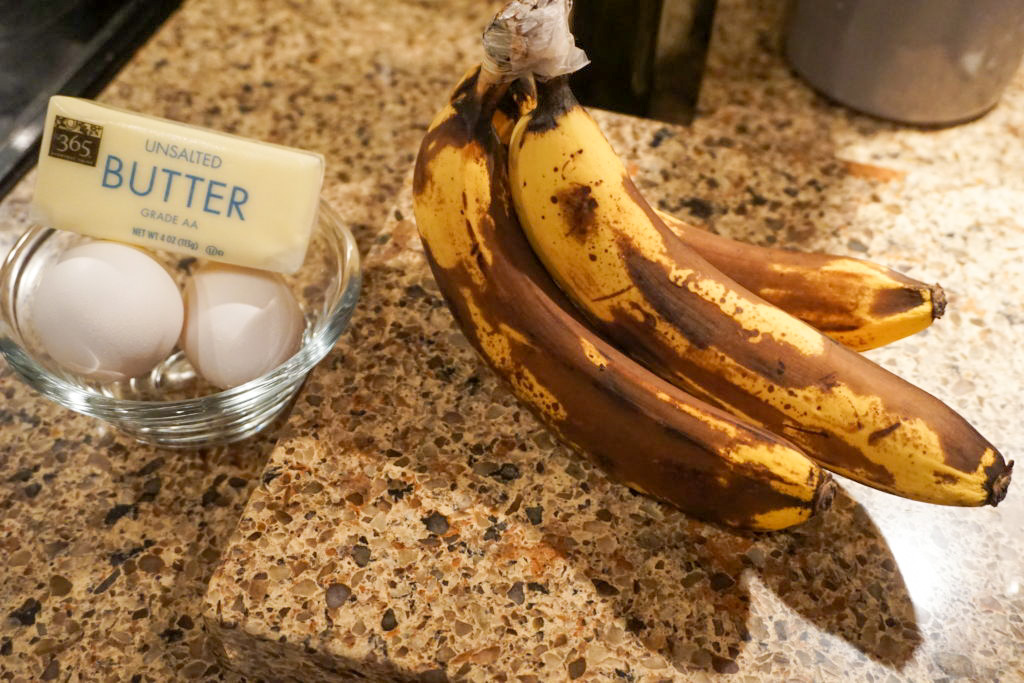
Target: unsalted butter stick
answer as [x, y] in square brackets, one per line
[113, 174]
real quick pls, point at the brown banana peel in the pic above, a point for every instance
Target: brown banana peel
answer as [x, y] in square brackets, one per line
[641, 430]
[658, 299]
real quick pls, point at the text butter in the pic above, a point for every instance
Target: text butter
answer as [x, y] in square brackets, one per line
[117, 175]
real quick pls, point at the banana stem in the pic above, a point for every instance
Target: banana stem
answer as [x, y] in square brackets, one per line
[489, 89]
[524, 92]
[938, 300]
[1002, 482]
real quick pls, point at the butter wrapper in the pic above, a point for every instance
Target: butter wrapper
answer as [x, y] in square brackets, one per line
[117, 175]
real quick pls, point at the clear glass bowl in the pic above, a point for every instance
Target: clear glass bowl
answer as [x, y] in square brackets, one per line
[172, 406]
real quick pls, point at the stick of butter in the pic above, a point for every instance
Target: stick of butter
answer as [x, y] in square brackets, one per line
[113, 174]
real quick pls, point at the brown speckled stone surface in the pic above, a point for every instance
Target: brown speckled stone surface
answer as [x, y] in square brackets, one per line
[137, 531]
[411, 520]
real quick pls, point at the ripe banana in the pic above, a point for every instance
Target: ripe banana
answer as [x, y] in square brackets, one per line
[860, 304]
[660, 301]
[640, 429]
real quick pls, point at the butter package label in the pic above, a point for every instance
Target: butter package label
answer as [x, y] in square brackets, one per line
[113, 174]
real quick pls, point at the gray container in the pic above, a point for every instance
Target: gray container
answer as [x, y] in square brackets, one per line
[915, 61]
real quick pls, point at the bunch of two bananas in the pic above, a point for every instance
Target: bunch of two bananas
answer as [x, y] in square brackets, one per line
[716, 376]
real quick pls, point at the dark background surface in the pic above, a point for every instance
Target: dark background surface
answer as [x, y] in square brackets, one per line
[71, 47]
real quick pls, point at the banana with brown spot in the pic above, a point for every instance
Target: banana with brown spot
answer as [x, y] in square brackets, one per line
[637, 427]
[655, 297]
[860, 304]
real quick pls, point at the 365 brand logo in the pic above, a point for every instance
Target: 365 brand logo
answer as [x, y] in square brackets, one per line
[77, 141]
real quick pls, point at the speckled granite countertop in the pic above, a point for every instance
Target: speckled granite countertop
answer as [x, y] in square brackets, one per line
[410, 520]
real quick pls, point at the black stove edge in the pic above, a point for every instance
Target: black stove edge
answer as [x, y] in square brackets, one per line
[90, 79]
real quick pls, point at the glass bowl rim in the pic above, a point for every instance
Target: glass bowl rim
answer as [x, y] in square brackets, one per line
[323, 338]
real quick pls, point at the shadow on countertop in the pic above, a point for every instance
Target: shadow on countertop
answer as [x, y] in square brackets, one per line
[109, 544]
[689, 598]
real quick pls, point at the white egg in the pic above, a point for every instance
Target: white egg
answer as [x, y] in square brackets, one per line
[240, 323]
[107, 311]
